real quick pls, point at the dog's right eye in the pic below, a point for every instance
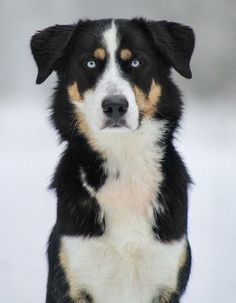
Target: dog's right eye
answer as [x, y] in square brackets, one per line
[135, 63]
[91, 64]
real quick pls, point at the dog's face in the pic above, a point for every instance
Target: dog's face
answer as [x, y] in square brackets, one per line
[114, 71]
[113, 82]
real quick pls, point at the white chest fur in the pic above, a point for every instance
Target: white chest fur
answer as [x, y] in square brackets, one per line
[126, 264]
[134, 272]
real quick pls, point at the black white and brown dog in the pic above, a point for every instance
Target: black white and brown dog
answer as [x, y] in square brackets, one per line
[121, 229]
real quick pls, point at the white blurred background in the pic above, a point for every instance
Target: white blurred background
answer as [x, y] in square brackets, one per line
[29, 150]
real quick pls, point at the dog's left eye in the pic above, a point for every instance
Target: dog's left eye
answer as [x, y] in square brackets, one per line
[135, 63]
[90, 64]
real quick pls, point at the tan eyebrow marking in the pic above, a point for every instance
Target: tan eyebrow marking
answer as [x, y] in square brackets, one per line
[100, 53]
[125, 54]
[73, 92]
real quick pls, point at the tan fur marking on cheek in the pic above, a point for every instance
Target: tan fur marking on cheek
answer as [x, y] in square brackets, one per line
[74, 291]
[73, 92]
[100, 53]
[84, 129]
[125, 54]
[147, 104]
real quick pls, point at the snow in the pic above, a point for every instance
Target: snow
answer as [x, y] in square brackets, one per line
[208, 145]
[29, 153]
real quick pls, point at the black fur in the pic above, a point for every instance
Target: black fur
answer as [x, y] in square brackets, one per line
[77, 212]
[57, 285]
[63, 48]
[173, 196]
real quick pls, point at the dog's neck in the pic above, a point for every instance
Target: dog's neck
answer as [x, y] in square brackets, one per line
[132, 164]
[124, 150]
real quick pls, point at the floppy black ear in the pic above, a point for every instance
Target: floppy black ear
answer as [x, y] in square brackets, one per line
[176, 43]
[48, 47]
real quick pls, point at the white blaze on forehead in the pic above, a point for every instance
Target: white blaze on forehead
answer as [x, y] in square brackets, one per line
[111, 79]
[111, 41]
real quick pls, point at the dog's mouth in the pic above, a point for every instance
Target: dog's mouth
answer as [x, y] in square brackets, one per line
[115, 124]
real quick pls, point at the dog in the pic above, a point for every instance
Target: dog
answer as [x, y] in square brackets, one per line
[122, 188]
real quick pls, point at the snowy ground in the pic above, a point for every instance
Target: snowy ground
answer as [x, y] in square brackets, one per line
[29, 153]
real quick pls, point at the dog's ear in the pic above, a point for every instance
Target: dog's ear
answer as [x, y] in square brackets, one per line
[175, 42]
[48, 46]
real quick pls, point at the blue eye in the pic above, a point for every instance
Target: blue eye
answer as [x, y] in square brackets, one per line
[91, 64]
[135, 63]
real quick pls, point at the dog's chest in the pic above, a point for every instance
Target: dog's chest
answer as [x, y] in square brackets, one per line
[126, 264]
[133, 271]
[129, 196]
[115, 266]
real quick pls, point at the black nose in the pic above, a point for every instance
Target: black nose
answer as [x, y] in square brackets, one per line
[115, 106]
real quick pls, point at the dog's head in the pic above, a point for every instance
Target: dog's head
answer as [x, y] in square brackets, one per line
[113, 73]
